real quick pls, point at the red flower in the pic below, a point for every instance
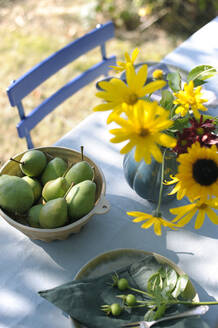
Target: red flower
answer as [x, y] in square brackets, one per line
[201, 131]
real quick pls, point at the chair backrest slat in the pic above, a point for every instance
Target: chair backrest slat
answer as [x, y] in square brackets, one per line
[61, 95]
[22, 87]
[48, 67]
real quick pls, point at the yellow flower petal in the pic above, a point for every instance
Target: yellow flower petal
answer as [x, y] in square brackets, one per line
[102, 107]
[137, 213]
[157, 228]
[175, 190]
[187, 218]
[147, 224]
[181, 211]
[141, 76]
[200, 219]
[174, 180]
[167, 141]
[212, 215]
[127, 148]
[158, 222]
[156, 153]
[138, 154]
[153, 86]
[135, 54]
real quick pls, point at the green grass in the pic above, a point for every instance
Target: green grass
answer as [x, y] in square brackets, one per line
[30, 31]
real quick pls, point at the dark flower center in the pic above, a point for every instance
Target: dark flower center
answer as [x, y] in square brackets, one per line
[205, 171]
[144, 132]
[200, 131]
[132, 99]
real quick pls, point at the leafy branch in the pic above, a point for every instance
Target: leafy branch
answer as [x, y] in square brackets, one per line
[165, 288]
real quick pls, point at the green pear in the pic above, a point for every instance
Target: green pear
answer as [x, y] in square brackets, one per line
[79, 172]
[35, 185]
[33, 216]
[54, 169]
[33, 162]
[81, 199]
[55, 189]
[16, 195]
[54, 214]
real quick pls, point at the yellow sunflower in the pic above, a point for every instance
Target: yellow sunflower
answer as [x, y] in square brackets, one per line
[156, 221]
[116, 92]
[185, 213]
[197, 176]
[189, 99]
[121, 66]
[142, 128]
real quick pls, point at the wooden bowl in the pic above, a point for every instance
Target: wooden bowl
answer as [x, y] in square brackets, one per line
[71, 157]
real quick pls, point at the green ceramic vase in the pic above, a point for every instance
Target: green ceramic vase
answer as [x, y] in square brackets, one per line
[145, 179]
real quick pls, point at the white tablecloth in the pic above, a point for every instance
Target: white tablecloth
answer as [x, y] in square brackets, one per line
[28, 266]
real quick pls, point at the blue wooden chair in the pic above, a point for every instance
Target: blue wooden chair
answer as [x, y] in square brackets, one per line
[23, 86]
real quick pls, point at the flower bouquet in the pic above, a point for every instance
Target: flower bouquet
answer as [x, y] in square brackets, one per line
[175, 124]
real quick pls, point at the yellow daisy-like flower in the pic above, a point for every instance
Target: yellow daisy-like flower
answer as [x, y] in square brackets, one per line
[156, 221]
[158, 74]
[121, 66]
[189, 99]
[143, 128]
[184, 214]
[197, 176]
[117, 92]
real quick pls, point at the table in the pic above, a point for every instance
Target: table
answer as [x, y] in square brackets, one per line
[28, 266]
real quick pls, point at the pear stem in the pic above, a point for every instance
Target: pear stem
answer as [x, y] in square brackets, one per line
[68, 190]
[82, 152]
[14, 160]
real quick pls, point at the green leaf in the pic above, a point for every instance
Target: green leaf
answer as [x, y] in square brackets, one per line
[149, 315]
[174, 80]
[201, 73]
[155, 284]
[167, 100]
[171, 279]
[146, 98]
[179, 124]
[198, 82]
[162, 271]
[210, 117]
[180, 286]
[160, 311]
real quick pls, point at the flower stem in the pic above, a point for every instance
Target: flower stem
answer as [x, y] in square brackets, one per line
[141, 292]
[192, 303]
[157, 211]
[173, 302]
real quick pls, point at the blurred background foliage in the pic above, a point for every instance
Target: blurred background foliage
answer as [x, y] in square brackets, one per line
[180, 16]
[186, 15]
[31, 30]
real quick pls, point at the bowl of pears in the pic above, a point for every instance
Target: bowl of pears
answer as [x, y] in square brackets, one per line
[49, 193]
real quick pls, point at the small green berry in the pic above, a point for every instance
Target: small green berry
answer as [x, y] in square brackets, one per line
[130, 299]
[116, 309]
[122, 284]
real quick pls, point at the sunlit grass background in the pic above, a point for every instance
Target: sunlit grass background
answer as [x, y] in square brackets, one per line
[31, 30]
